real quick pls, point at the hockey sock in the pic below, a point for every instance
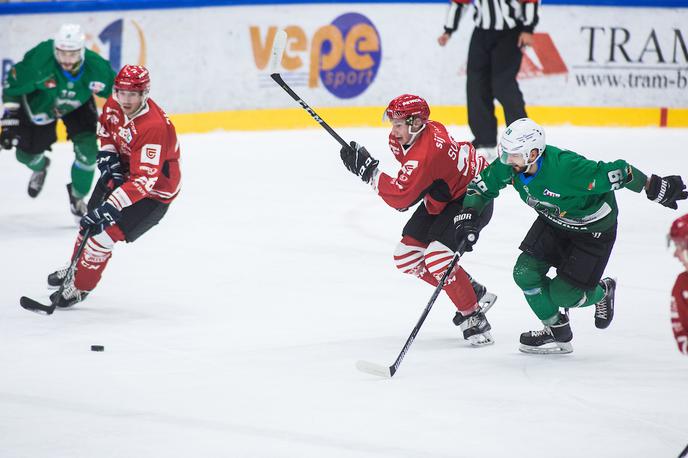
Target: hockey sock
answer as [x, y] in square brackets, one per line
[458, 284]
[530, 275]
[409, 257]
[35, 162]
[94, 258]
[565, 294]
[429, 262]
[83, 168]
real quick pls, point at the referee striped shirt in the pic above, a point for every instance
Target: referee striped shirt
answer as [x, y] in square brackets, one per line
[495, 14]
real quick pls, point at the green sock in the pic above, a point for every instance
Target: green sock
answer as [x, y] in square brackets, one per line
[35, 162]
[83, 168]
[530, 275]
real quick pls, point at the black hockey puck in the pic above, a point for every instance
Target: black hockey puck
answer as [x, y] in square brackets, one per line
[97, 348]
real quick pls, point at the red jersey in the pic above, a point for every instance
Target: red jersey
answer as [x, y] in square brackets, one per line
[436, 168]
[679, 312]
[148, 148]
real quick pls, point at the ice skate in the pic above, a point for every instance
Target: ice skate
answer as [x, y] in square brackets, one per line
[554, 339]
[56, 278]
[604, 309]
[38, 179]
[486, 299]
[70, 295]
[475, 328]
[76, 205]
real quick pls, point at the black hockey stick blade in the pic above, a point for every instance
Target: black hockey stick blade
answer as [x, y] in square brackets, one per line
[375, 369]
[35, 306]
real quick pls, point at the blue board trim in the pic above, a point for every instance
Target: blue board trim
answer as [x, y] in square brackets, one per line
[123, 5]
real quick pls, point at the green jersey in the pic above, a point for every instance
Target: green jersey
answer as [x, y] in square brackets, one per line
[568, 190]
[47, 92]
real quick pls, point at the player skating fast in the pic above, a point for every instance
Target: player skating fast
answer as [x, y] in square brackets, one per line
[678, 236]
[574, 232]
[436, 170]
[140, 177]
[56, 79]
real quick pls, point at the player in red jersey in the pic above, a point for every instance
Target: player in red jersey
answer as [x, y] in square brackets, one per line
[678, 235]
[140, 177]
[436, 170]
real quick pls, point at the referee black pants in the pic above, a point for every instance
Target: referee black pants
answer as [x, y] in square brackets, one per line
[494, 59]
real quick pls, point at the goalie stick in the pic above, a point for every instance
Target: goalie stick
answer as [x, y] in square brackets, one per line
[35, 306]
[276, 56]
[389, 371]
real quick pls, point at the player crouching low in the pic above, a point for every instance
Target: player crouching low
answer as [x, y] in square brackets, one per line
[140, 177]
[436, 170]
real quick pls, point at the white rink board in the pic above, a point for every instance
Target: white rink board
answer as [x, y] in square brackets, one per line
[203, 59]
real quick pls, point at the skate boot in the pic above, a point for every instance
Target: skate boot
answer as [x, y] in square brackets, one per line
[475, 327]
[552, 339]
[486, 299]
[38, 179]
[70, 295]
[56, 278]
[76, 204]
[604, 309]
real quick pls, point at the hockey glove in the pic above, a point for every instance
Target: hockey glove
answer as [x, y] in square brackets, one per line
[9, 136]
[466, 226]
[666, 190]
[99, 218]
[111, 173]
[358, 161]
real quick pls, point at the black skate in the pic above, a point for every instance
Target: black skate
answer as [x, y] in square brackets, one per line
[475, 327]
[486, 299]
[552, 339]
[56, 278]
[76, 205]
[70, 296]
[38, 179]
[604, 309]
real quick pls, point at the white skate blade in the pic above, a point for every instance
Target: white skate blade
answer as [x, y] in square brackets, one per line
[481, 340]
[560, 348]
[374, 369]
[487, 301]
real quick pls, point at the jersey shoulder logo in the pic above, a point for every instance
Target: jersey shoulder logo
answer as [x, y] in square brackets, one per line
[150, 154]
[125, 134]
[409, 167]
[96, 86]
[549, 193]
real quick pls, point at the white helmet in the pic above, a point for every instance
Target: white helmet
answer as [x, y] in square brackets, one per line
[70, 37]
[521, 137]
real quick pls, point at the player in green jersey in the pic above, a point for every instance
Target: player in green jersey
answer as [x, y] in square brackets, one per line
[56, 79]
[575, 229]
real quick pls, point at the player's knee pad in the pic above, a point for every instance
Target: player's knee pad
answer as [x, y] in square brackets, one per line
[408, 256]
[564, 294]
[528, 272]
[85, 150]
[438, 256]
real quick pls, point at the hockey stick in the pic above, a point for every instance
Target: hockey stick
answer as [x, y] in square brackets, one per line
[277, 51]
[35, 306]
[388, 372]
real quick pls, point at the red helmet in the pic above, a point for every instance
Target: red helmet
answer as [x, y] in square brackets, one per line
[408, 106]
[133, 78]
[679, 229]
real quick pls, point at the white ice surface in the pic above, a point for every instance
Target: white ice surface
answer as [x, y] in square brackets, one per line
[232, 328]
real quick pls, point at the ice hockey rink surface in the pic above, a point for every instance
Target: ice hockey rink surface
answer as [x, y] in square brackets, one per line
[232, 329]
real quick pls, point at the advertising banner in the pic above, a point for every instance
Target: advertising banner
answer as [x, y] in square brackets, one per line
[344, 55]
